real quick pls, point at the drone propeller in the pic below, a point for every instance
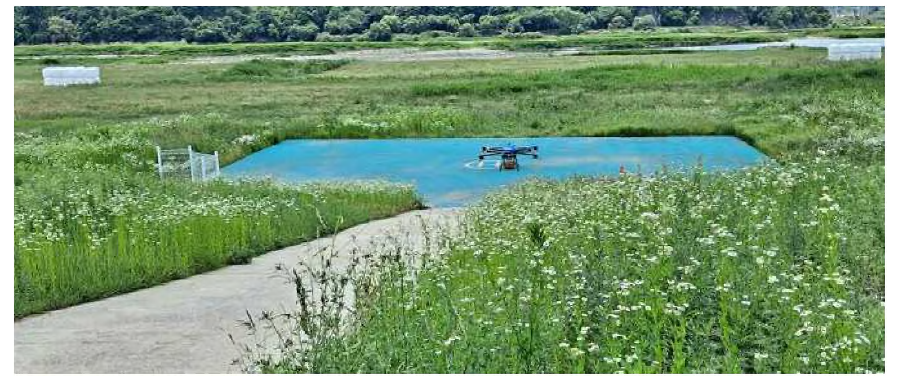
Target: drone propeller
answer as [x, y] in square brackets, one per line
[509, 150]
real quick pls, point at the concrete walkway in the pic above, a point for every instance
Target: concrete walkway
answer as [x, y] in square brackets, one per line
[184, 326]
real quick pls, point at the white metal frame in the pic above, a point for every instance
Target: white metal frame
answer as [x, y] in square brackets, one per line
[200, 166]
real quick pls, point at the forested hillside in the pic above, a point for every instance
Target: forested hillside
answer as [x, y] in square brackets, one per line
[38, 25]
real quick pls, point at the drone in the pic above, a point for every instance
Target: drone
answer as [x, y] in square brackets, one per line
[508, 154]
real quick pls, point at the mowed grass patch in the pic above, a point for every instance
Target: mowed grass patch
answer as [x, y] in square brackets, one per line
[781, 57]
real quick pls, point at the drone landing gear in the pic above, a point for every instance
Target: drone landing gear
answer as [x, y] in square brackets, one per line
[502, 168]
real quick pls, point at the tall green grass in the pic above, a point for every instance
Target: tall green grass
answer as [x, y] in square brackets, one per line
[772, 269]
[92, 219]
[864, 32]
[262, 69]
[82, 235]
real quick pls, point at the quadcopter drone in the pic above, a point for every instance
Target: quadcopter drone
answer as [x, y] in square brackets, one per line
[508, 154]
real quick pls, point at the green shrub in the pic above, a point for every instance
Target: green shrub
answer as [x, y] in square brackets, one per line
[259, 69]
[646, 22]
[466, 30]
[379, 32]
[307, 32]
[618, 22]
[50, 61]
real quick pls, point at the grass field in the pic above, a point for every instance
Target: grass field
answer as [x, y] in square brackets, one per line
[778, 99]
[82, 235]
[777, 268]
[627, 39]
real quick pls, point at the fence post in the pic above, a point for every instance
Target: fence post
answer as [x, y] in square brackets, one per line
[216, 164]
[191, 164]
[160, 162]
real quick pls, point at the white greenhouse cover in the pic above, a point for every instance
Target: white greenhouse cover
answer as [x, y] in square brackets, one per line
[64, 76]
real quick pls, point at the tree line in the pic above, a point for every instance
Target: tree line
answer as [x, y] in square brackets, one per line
[64, 24]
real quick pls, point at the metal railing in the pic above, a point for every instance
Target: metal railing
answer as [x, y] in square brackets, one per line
[187, 164]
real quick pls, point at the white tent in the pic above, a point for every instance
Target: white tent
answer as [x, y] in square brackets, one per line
[64, 76]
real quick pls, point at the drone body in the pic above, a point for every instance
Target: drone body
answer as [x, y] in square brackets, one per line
[509, 154]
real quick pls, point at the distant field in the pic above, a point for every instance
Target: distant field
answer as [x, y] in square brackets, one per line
[603, 40]
[665, 37]
[769, 97]
[863, 32]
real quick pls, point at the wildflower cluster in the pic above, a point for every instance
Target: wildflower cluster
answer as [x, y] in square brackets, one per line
[774, 268]
[81, 235]
[397, 121]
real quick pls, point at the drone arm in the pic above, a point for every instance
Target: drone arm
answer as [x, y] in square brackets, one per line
[489, 154]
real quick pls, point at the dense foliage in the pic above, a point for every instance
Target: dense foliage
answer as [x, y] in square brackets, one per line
[37, 25]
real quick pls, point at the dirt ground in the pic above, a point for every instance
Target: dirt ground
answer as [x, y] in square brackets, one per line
[186, 326]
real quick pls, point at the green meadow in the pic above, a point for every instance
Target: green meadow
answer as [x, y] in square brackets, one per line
[780, 100]
[771, 269]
